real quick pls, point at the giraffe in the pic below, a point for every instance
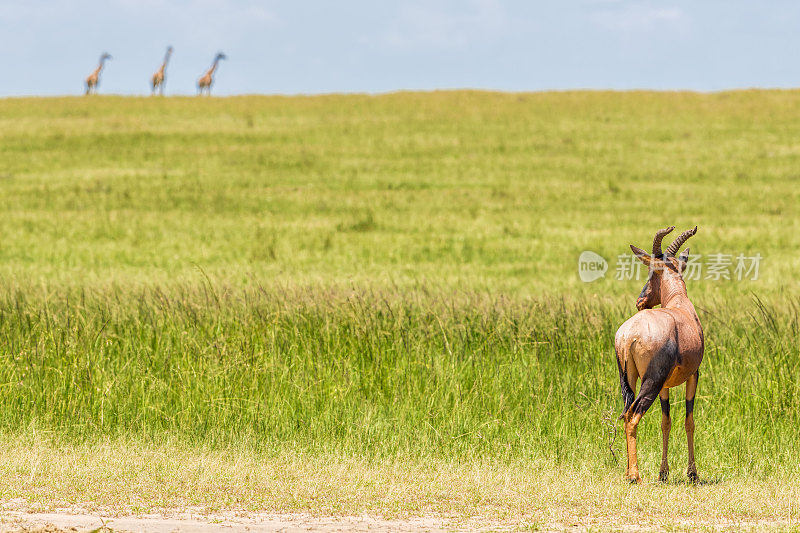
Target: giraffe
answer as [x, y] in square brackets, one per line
[94, 78]
[159, 79]
[205, 82]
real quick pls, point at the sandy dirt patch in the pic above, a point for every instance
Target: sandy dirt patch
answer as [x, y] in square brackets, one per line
[229, 522]
[63, 522]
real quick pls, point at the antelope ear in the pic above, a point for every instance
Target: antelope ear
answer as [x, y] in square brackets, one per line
[643, 256]
[680, 262]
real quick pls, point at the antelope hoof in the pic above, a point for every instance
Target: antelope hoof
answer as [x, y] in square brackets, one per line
[663, 476]
[693, 477]
[634, 479]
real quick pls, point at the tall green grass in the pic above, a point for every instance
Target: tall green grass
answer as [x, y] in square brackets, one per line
[420, 373]
[389, 275]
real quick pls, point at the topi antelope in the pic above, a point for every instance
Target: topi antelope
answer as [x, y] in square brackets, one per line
[663, 347]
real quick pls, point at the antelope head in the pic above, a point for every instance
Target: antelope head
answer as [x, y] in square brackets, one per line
[662, 266]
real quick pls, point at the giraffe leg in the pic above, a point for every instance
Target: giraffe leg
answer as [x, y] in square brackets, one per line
[666, 425]
[691, 389]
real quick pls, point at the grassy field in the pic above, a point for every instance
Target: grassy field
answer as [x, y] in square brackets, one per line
[347, 304]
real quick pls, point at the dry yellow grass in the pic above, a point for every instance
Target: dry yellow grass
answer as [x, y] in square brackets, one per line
[125, 478]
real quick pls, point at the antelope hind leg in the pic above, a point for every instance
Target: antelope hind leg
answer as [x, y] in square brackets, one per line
[628, 395]
[666, 425]
[691, 389]
[651, 387]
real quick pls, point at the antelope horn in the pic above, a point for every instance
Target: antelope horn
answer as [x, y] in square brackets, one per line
[677, 243]
[657, 240]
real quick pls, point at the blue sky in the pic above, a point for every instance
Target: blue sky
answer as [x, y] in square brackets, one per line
[49, 47]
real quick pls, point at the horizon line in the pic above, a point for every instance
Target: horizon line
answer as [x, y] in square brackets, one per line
[415, 91]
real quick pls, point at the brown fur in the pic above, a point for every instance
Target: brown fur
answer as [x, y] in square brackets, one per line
[159, 78]
[662, 347]
[207, 80]
[94, 78]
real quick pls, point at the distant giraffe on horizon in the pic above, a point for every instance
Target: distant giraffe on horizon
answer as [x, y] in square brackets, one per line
[205, 81]
[159, 79]
[94, 78]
